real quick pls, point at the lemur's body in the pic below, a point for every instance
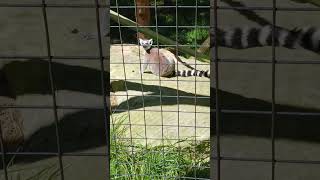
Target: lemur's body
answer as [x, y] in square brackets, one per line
[248, 37]
[162, 62]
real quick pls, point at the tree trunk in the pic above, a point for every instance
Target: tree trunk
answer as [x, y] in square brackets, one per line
[143, 15]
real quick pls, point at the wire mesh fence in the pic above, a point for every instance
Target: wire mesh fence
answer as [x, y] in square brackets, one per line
[255, 118]
[254, 132]
[251, 107]
[167, 119]
[53, 107]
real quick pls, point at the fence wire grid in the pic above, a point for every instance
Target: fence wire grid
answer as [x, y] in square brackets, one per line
[167, 120]
[48, 126]
[256, 118]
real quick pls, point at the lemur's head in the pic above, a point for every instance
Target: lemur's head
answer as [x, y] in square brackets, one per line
[146, 44]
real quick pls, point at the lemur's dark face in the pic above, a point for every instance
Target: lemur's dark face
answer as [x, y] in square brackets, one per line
[146, 44]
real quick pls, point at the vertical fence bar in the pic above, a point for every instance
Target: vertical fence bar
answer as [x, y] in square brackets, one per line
[104, 80]
[273, 118]
[52, 84]
[114, 135]
[125, 84]
[141, 76]
[214, 104]
[195, 92]
[160, 86]
[178, 100]
[107, 91]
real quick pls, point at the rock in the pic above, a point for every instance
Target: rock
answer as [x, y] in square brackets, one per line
[154, 118]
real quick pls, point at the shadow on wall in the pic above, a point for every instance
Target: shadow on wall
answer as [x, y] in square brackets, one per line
[152, 98]
[84, 129]
[297, 127]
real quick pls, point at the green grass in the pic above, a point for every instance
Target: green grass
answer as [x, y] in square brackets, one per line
[170, 160]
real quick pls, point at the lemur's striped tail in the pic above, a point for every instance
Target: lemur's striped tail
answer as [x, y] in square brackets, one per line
[193, 72]
[248, 37]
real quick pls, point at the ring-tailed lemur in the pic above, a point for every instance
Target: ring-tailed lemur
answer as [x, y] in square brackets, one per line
[162, 62]
[247, 37]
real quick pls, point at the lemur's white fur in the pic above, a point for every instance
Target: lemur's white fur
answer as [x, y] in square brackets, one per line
[162, 62]
[165, 59]
[146, 44]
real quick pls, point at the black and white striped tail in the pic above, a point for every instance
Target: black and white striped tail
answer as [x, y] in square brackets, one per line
[309, 38]
[247, 37]
[193, 72]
